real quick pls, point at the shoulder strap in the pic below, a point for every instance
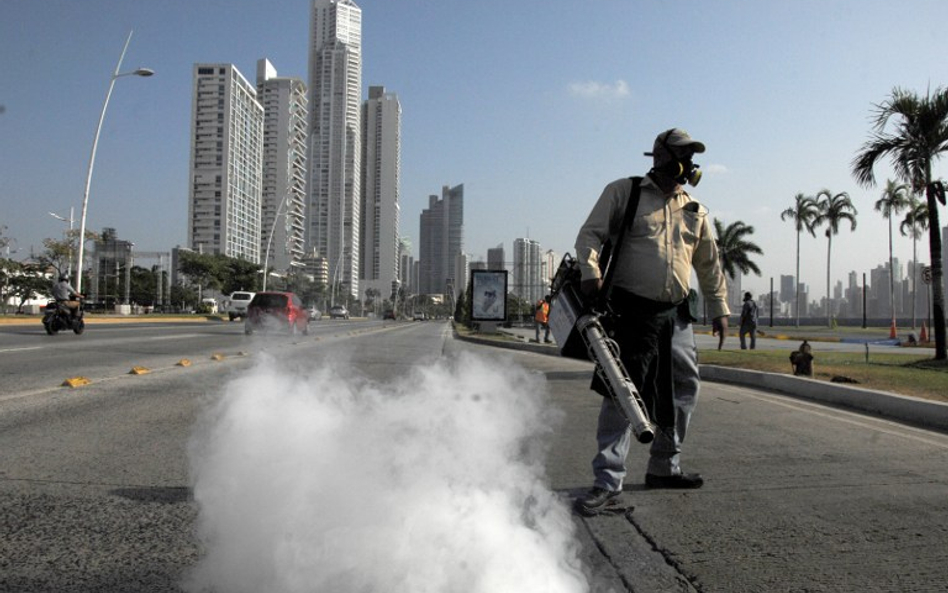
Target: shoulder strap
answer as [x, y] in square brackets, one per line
[610, 252]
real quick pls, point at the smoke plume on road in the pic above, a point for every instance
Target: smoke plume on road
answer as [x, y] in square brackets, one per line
[430, 483]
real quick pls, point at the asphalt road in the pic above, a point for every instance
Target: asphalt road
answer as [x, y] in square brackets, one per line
[96, 490]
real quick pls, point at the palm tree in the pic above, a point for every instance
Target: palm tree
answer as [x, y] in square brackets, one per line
[734, 250]
[834, 208]
[919, 137]
[803, 212]
[894, 198]
[915, 224]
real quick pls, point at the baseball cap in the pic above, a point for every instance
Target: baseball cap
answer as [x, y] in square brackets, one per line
[675, 137]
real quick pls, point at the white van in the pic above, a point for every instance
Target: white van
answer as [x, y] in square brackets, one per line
[209, 305]
[236, 304]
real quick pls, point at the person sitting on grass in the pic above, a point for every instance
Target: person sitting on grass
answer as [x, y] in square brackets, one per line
[801, 360]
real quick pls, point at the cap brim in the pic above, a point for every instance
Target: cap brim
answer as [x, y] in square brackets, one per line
[698, 146]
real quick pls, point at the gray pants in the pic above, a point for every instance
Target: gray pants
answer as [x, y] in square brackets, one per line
[752, 330]
[614, 435]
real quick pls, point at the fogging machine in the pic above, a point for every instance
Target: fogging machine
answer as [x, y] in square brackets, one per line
[578, 330]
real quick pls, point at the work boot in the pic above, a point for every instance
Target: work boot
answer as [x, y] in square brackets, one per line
[677, 481]
[595, 501]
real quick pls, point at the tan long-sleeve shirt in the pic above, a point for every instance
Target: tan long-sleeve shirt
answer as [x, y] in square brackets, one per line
[671, 234]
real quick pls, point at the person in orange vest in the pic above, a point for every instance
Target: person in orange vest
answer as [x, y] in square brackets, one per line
[542, 318]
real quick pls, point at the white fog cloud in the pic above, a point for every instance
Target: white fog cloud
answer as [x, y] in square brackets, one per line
[433, 483]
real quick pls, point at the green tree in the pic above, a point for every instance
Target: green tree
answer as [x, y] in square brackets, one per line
[803, 213]
[238, 274]
[183, 297]
[371, 298]
[914, 225]
[894, 199]
[29, 283]
[57, 255]
[9, 270]
[4, 240]
[918, 137]
[834, 209]
[143, 286]
[734, 249]
[203, 270]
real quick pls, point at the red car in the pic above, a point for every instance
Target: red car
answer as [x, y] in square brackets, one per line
[281, 311]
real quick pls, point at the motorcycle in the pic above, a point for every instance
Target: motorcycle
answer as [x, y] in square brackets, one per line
[58, 317]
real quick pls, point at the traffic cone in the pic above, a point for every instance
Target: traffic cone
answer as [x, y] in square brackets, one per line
[923, 335]
[892, 334]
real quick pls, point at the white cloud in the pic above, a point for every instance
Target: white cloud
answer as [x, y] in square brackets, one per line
[715, 169]
[599, 90]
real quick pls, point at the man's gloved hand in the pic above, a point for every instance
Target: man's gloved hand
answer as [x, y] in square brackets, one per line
[590, 288]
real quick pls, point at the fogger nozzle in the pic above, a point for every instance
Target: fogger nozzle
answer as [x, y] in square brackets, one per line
[604, 353]
[580, 335]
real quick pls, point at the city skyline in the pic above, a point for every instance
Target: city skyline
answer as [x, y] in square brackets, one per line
[534, 135]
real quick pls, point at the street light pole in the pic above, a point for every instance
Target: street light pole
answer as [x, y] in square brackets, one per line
[266, 257]
[70, 220]
[95, 144]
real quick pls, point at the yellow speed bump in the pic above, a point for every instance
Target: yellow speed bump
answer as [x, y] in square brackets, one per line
[76, 382]
[137, 370]
[184, 362]
[217, 357]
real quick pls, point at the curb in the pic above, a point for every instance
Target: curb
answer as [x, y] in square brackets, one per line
[915, 411]
[90, 319]
[920, 412]
[548, 349]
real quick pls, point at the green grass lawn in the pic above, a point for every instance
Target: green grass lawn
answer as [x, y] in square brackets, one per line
[905, 374]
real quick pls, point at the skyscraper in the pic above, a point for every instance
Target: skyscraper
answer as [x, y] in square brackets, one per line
[226, 163]
[335, 149]
[406, 265]
[495, 258]
[551, 263]
[441, 240]
[381, 173]
[284, 168]
[527, 280]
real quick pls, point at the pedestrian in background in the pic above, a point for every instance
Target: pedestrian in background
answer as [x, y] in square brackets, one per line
[749, 322]
[801, 360]
[542, 319]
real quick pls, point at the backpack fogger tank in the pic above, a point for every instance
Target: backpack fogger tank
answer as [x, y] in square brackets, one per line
[579, 334]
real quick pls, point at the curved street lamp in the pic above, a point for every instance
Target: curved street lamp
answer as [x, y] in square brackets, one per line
[95, 143]
[67, 235]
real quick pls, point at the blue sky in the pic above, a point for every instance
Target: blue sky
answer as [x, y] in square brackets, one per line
[534, 105]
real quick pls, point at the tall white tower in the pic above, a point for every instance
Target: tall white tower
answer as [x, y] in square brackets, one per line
[527, 279]
[335, 89]
[381, 172]
[284, 168]
[226, 164]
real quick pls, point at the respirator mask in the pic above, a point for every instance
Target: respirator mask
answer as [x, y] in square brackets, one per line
[681, 170]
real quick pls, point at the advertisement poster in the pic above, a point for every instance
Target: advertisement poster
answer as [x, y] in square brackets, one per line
[489, 295]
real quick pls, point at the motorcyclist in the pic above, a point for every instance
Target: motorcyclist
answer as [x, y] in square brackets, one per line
[66, 296]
